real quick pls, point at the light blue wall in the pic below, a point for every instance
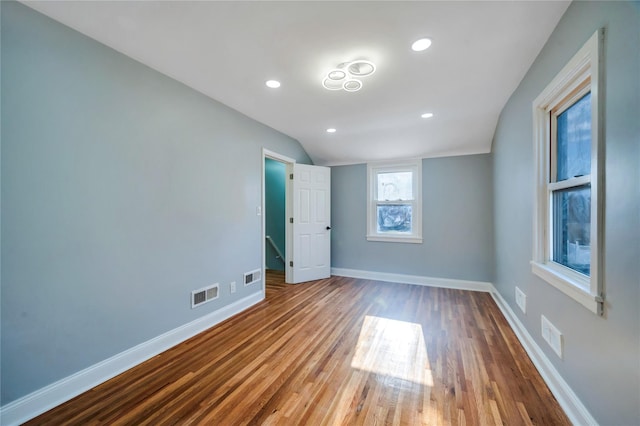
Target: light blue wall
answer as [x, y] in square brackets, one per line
[457, 222]
[122, 191]
[275, 211]
[601, 354]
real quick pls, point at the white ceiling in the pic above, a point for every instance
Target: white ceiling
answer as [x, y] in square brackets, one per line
[227, 50]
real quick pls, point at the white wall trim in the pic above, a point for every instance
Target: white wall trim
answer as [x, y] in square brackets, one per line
[568, 400]
[44, 399]
[414, 279]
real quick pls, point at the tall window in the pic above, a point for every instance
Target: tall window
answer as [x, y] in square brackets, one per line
[394, 202]
[568, 143]
[570, 183]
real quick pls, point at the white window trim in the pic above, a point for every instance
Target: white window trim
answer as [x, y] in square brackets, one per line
[587, 64]
[413, 165]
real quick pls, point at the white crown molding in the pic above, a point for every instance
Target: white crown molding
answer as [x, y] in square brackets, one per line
[48, 397]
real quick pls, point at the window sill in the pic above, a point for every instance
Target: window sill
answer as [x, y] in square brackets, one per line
[571, 283]
[394, 239]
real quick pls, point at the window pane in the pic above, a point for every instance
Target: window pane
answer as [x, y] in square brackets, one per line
[394, 217]
[574, 140]
[572, 228]
[395, 186]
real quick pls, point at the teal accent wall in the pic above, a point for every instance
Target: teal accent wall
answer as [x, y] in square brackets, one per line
[122, 191]
[457, 222]
[275, 211]
[601, 359]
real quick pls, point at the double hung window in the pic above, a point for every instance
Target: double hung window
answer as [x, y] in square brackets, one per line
[568, 141]
[394, 202]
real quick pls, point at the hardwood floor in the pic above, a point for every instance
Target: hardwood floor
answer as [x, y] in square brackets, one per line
[339, 351]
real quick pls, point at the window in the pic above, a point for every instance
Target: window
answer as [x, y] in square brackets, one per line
[394, 210]
[568, 141]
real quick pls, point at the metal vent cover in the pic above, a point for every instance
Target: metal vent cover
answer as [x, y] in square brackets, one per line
[252, 276]
[204, 295]
[212, 293]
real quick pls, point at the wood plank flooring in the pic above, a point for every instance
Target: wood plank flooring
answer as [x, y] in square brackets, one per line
[339, 351]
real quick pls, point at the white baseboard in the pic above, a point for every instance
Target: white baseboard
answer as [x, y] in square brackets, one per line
[63, 390]
[414, 279]
[568, 400]
[46, 398]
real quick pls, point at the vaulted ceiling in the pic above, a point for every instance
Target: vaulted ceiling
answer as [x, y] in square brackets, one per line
[228, 50]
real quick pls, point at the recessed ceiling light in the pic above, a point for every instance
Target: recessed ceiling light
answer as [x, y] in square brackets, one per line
[274, 84]
[331, 130]
[422, 44]
[427, 115]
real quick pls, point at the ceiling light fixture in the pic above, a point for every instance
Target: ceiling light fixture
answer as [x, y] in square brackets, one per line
[343, 77]
[331, 130]
[427, 115]
[274, 84]
[420, 45]
[352, 85]
[336, 75]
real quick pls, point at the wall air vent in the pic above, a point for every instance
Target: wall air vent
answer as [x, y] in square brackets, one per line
[252, 277]
[204, 295]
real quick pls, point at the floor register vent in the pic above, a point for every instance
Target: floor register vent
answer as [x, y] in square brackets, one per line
[204, 295]
[252, 277]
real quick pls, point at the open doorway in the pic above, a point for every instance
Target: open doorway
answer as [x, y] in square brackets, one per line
[275, 173]
[305, 254]
[275, 207]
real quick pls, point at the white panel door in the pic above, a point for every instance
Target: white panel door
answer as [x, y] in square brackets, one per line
[311, 227]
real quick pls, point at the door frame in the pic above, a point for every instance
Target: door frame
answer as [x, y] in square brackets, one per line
[288, 162]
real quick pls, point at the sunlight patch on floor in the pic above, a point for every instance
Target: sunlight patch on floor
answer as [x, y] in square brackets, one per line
[393, 348]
